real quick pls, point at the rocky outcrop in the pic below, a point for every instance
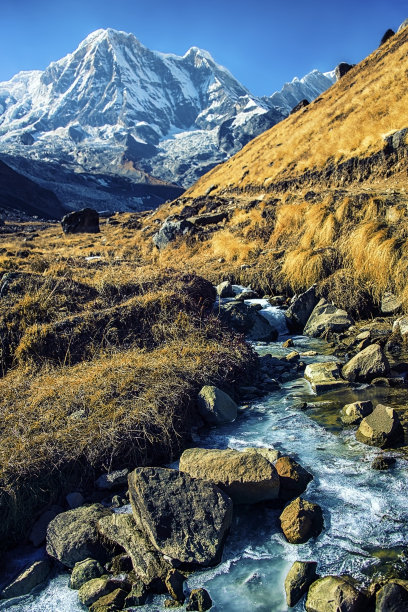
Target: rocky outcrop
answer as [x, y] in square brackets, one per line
[300, 309]
[246, 477]
[148, 564]
[81, 221]
[335, 593]
[353, 414]
[324, 376]
[381, 428]
[170, 231]
[199, 600]
[342, 69]
[31, 577]
[85, 570]
[386, 36]
[293, 478]
[184, 518]
[302, 104]
[245, 319]
[301, 520]
[326, 319]
[368, 364]
[216, 406]
[73, 536]
[298, 580]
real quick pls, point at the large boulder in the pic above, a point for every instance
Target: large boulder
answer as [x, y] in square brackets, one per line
[342, 69]
[293, 478]
[324, 376]
[84, 571]
[81, 221]
[300, 309]
[301, 520]
[184, 518]
[390, 303]
[302, 104]
[386, 36]
[353, 414]
[393, 597]
[381, 428]
[94, 589]
[199, 600]
[245, 319]
[170, 231]
[148, 564]
[246, 477]
[216, 406]
[298, 580]
[73, 536]
[326, 318]
[368, 364]
[31, 577]
[335, 594]
[225, 290]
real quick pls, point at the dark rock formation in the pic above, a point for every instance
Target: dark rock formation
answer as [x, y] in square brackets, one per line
[302, 104]
[342, 69]
[388, 34]
[170, 230]
[81, 221]
[298, 580]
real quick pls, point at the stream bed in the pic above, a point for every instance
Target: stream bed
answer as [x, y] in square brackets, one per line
[365, 511]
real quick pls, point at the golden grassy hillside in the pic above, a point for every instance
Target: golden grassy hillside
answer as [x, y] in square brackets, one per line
[349, 120]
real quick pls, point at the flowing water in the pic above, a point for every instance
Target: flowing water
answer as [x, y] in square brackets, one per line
[365, 511]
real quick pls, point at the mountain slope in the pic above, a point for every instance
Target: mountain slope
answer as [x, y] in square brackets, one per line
[115, 107]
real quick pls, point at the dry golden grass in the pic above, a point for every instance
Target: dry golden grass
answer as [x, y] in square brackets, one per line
[349, 120]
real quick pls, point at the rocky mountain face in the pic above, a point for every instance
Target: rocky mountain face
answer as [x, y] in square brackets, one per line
[114, 108]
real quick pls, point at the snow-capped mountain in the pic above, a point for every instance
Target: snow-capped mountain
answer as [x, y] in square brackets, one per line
[114, 107]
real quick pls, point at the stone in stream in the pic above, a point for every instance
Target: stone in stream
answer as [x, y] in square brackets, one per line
[137, 595]
[335, 593]
[369, 363]
[73, 536]
[215, 406]
[31, 577]
[110, 602]
[293, 478]
[247, 477]
[383, 463]
[225, 290]
[324, 376]
[94, 589]
[149, 565]
[245, 319]
[184, 518]
[300, 309]
[199, 600]
[381, 428]
[326, 318]
[298, 580]
[84, 571]
[353, 414]
[393, 597]
[301, 520]
[271, 454]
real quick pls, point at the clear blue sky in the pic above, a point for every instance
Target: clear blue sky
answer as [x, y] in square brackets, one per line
[262, 42]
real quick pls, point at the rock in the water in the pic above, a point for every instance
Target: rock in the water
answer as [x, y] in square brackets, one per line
[73, 536]
[81, 221]
[301, 520]
[174, 583]
[326, 318]
[324, 376]
[334, 594]
[288, 343]
[383, 463]
[170, 230]
[247, 294]
[225, 290]
[390, 303]
[149, 565]
[342, 69]
[112, 480]
[388, 34]
[300, 309]
[35, 574]
[94, 589]
[302, 104]
[215, 406]
[110, 602]
[300, 576]
[293, 478]
[199, 600]
[391, 598]
[368, 364]
[137, 595]
[245, 319]
[271, 454]
[184, 518]
[246, 477]
[381, 428]
[85, 570]
[353, 414]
